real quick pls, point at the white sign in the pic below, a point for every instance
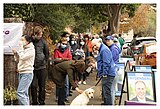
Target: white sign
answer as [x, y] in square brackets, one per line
[12, 33]
[151, 49]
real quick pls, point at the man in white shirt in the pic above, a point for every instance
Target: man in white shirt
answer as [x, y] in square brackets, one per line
[140, 89]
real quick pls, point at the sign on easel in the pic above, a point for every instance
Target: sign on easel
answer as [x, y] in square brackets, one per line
[120, 73]
[140, 87]
[127, 67]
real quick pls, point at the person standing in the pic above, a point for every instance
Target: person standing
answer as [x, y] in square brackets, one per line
[41, 58]
[106, 69]
[115, 50]
[81, 55]
[87, 46]
[26, 56]
[61, 54]
[73, 44]
[121, 41]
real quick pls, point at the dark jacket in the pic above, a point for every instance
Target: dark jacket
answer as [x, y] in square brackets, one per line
[73, 49]
[60, 70]
[41, 54]
[136, 99]
[105, 63]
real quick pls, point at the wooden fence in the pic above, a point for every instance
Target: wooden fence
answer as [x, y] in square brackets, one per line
[10, 75]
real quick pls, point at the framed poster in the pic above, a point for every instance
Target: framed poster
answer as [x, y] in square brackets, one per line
[141, 87]
[142, 68]
[120, 77]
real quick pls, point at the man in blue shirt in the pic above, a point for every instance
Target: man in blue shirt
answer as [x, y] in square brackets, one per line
[115, 50]
[106, 69]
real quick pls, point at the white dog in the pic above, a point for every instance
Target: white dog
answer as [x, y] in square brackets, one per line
[83, 98]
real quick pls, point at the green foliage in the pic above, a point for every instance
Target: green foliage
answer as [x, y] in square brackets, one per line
[59, 16]
[23, 11]
[130, 9]
[9, 94]
[55, 16]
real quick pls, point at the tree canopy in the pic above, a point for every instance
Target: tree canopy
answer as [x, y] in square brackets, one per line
[80, 17]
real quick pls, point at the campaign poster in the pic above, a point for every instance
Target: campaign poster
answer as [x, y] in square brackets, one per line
[120, 77]
[140, 87]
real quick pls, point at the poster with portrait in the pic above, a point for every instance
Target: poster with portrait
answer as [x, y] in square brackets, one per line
[140, 87]
[120, 77]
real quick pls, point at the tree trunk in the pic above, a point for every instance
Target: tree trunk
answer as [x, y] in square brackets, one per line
[113, 13]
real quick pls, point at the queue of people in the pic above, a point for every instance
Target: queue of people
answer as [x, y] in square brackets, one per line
[70, 67]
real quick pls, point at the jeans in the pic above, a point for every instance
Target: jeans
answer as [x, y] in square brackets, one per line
[107, 83]
[61, 96]
[82, 76]
[25, 80]
[40, 78]
[66, 88]
[113, 91]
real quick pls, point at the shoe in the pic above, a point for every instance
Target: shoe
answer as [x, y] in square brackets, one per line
[56, 99]
[67, 100]
[73, 88]
[84, 82]
[70, 91]
[70, 94]
[34, 103]
[41, 103]
[102, 104]
[80, 82]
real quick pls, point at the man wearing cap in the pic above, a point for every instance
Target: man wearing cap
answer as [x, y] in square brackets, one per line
[106, 69]
[115, 50]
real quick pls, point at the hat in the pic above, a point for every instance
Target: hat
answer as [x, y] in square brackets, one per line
[109, 38]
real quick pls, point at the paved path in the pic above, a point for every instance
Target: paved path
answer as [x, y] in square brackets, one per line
[91, 81]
